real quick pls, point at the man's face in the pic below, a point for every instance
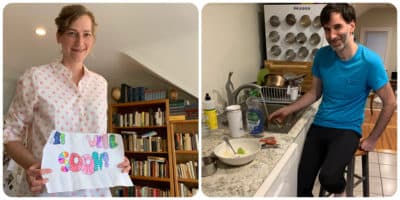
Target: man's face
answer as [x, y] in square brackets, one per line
[338, 33]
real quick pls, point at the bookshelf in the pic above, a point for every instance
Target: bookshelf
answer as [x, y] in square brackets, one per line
[144, 128]
[185, 145]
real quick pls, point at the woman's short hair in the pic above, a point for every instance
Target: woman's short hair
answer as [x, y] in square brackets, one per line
[71, 13]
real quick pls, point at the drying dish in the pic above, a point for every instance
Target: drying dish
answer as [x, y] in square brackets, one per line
[249, 149]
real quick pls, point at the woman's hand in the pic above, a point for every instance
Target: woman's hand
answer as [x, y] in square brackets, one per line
[34, 177]
[125, 165]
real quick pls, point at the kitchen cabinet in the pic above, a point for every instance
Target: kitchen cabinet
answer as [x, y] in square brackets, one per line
[148, 145]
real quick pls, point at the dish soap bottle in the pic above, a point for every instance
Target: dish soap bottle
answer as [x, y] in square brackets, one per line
[255, 116]
[210, 113]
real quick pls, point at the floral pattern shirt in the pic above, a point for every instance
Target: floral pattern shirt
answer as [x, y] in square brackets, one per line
[47, 99]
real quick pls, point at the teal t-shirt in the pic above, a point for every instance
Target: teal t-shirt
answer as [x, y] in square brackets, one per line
[346, 86]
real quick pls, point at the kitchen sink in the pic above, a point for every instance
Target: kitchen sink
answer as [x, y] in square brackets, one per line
[287, 124]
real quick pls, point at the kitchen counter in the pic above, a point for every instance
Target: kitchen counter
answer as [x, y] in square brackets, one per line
[250, 179]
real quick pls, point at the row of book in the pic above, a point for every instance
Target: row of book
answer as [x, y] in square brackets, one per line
[148, 142]
[188, 170]
[186, 191]
[177, 107]
[141, 191]
[137, 118]
[131, 94]
[154, 166]
[187, 141]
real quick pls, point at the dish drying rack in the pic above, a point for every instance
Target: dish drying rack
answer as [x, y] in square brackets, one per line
[278, 94]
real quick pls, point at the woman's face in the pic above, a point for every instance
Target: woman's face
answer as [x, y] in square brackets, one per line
[77, 40]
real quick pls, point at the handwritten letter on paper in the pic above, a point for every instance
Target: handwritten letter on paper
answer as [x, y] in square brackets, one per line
[83, 161]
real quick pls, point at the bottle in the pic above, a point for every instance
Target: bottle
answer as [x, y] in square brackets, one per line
[255, 116]
[210, 113]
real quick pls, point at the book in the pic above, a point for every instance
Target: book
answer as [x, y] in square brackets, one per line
[148, 134]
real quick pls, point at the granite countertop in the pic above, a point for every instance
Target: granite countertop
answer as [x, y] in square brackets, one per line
[244, 181]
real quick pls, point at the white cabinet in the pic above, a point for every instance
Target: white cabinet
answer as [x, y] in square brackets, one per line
[282, 181]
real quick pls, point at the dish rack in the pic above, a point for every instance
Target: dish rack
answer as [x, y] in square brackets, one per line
[278, 94]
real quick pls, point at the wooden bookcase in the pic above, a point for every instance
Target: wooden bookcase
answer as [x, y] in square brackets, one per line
[185, 146]
[159, 146]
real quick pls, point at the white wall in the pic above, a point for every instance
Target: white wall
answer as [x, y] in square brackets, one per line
[230, 42]
[382, 17]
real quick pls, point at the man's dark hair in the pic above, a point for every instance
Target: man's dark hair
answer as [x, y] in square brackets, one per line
[346, 10]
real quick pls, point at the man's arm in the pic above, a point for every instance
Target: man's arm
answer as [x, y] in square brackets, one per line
[307, 99]
[389, 105]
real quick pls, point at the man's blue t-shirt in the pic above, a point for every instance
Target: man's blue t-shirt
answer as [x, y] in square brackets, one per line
[346, 86]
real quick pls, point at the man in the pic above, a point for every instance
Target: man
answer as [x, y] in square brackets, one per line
[343, 75]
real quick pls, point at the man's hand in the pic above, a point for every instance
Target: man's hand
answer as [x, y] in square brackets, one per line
[368, 144]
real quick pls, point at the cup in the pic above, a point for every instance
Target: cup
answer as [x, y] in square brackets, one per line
[294, 93]
[235, 122]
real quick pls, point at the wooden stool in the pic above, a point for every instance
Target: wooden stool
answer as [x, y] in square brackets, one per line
[364, 178]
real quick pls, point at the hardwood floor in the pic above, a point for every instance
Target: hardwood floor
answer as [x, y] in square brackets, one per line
[388, 140]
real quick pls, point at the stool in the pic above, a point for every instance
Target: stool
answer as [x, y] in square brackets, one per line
[364, 178]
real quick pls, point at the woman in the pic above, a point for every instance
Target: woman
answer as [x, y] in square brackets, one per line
[63, 95]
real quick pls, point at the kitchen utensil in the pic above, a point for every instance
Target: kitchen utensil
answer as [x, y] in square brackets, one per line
[208, 165]
[270, 146]
[235, 122]
[292, 77]
[316, 22]
[276, 50]
[305, 21]
[268, 140]
[251, 147]
[302, 52]
[315, 39]
[274, 21]
[290, 38]
[290, 19]
[301, 38]
[226, 139]
[274, 36]
[290, 54]
[229, 88]
[274, 80]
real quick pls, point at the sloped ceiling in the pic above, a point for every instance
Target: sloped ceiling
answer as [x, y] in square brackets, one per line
[151, 45]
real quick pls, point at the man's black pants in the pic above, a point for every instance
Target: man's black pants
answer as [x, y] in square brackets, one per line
[327, 150]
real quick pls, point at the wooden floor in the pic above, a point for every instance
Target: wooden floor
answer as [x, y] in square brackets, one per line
[388, 140]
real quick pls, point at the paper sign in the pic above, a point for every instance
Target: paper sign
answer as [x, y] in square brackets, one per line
[83, 161]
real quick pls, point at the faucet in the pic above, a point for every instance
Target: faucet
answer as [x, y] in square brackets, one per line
[233, 100]
[236, 92]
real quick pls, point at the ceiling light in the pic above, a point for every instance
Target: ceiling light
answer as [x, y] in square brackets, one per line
[40, 31]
